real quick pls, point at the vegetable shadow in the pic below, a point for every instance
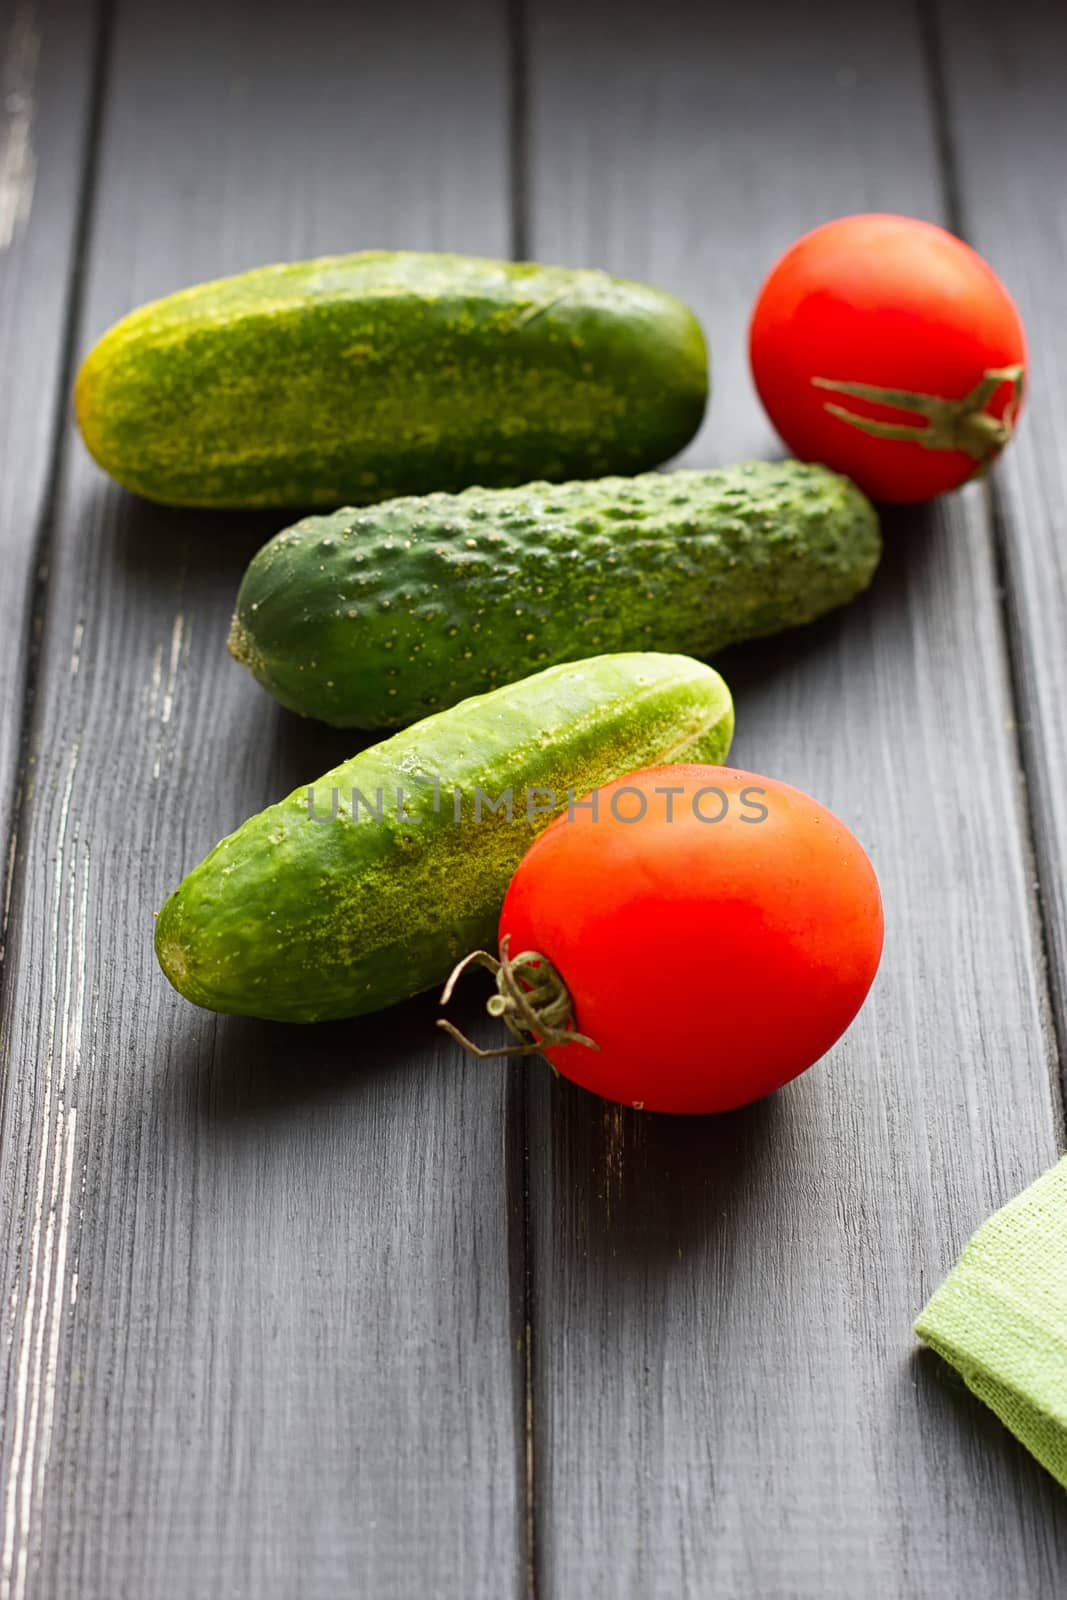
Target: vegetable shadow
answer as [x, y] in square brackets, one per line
[257, 1072]
[989, 1450]
[911, 535]
[152, 544]
[301, 748]
[639, 1191]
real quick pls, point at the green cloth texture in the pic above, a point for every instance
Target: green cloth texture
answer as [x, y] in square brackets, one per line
[1000, 1318]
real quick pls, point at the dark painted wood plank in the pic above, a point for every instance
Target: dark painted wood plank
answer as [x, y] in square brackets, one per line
[728, 1399]
[1008, 126]
[257, 1279]
[47, 59]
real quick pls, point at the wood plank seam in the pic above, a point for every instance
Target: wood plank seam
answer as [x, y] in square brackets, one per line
[36, 608]
[1040, 866]
[1040, 863]
[29, 1409]
[518, 128]
[518, 1102]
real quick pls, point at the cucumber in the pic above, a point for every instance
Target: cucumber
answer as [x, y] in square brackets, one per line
[371, 618]
[300, 916]
[358, 377]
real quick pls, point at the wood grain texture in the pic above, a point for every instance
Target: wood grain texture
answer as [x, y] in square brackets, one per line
[47, 64]
[1008, 121]
[728, 1398]
[259, 1328]
[265, 1289]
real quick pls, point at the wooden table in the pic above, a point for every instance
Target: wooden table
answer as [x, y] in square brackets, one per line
[335, 1311]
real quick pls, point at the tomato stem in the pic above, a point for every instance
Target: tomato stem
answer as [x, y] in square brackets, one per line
[531, 1000]
[950, 424]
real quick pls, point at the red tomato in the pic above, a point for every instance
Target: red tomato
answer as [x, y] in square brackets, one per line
[714, 941]
[921, 323]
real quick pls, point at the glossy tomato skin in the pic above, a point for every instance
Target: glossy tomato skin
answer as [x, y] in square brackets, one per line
[712, 961]
[889, 301]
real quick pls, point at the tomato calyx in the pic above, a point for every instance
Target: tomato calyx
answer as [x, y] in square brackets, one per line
[531, 1000]
[949, 424]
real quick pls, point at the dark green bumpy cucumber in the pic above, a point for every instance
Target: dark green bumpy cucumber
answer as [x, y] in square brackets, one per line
[306, 912]
[371, 618]
[353, 378]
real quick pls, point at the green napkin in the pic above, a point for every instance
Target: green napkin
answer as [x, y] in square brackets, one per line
[1000, 1318]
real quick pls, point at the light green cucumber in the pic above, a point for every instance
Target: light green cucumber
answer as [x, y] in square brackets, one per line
[357, 377]
[308, 911]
